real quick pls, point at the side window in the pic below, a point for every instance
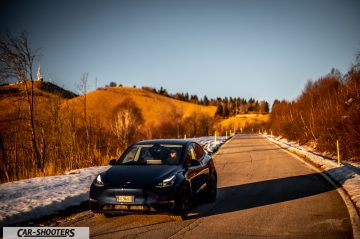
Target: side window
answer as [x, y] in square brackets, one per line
[190, 153]
[199, 152]
[145, 155]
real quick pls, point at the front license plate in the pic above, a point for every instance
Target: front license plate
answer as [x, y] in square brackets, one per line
[121, 198]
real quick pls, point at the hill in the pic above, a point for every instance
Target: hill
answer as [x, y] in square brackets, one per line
[41, 88]
[13, 100]
[155, 108]
[54, 89]
[101, 105]
[245, 122]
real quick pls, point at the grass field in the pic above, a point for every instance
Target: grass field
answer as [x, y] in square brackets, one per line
[244, 122]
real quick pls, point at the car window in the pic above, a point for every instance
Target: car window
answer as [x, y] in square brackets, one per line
[152, 154]
[199, 152]
[130, 156]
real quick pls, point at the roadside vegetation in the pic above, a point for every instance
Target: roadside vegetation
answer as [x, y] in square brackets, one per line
[327, 110]
[46, 130]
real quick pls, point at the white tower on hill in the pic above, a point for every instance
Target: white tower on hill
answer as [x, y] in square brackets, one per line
[39, 76]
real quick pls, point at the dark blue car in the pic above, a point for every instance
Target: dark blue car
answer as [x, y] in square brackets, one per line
[155, 176]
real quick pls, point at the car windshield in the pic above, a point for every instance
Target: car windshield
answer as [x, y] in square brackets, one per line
[152, 154]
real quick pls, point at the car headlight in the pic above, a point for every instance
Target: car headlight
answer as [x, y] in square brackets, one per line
[98, 181]
[166, 182]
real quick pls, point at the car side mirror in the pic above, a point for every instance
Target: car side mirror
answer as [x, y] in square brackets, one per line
[112, 162]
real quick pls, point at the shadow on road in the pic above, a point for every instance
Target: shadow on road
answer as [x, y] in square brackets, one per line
[257, 194]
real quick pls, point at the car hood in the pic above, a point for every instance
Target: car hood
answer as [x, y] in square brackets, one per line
[138, 176]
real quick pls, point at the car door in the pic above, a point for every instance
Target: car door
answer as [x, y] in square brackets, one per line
[193, 169]
[203, 172]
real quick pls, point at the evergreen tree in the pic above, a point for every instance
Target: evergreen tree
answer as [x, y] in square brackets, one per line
[194, 99]
[267, 107]
[206, 100]
[112, 84]
[225, 112]
[186, 97]
[219, 110]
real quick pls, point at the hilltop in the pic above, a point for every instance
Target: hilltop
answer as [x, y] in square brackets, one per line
[41, 88]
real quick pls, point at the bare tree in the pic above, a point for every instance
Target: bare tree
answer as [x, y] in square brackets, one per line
[16, 63]
[127, 123]
[82, 87]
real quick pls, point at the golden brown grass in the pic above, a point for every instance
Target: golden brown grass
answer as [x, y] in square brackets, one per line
[241, 121]
[101, 104]
[14, 98]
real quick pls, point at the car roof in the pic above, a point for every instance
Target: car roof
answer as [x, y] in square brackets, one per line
[166, 141]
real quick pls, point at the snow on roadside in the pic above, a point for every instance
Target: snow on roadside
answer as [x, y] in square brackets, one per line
[347, 175]
[33, 198]
[36, 197]
[209, 144]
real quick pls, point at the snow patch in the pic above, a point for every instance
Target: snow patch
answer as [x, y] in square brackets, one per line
[36, 197]
[209, 144]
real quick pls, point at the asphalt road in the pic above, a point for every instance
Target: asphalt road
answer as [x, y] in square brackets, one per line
[263, 192]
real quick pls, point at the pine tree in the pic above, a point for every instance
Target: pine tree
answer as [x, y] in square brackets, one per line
[219, 110]
[206, 100]
[225, 112]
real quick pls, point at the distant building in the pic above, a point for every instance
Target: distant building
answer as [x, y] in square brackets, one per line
[39, 76]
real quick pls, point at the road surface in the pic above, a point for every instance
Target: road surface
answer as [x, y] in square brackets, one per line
[263, 192]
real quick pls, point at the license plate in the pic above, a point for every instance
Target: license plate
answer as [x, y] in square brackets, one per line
[121, 198]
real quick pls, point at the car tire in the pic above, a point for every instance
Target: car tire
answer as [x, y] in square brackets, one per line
[107, 215]
[182, 206]
[211, 189]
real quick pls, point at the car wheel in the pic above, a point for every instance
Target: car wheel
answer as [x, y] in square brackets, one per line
[107, 215]
[182, 206]
[211, 189]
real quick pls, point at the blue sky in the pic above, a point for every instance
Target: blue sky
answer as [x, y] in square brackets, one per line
[255, 48]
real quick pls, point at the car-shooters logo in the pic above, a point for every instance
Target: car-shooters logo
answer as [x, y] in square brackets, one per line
[45, 232]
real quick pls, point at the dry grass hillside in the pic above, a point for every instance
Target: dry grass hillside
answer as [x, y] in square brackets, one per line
[41, 88]
[102, 104]
[13, 98]
[245, 122]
